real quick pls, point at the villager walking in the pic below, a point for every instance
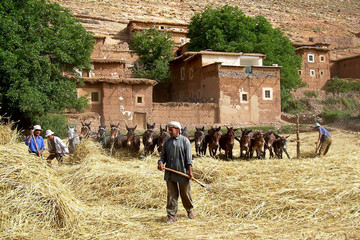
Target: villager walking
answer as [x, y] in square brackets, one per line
[56, 147]
[324, 140]
[176, 155]
[35, 141]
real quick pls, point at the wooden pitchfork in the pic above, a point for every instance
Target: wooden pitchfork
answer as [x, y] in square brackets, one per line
[185, 175]
[37, 149]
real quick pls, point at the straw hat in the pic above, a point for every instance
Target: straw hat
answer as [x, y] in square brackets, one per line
[174, 124]
[37, 127]
[48, 133]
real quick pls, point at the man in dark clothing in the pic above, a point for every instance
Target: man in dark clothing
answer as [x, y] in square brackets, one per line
[176, 155]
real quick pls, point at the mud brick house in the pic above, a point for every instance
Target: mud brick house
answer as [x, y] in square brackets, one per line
[114, 97]
[315, 69]
[346, 68]
[244, 90]
[177, 30]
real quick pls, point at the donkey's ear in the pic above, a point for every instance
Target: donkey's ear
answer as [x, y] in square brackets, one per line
[135, 127]
[203, 128]
[127, 128]
[153, 126]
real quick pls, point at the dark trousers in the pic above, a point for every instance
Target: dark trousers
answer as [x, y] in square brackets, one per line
[56, 155]
[325, 145]
[174, 189]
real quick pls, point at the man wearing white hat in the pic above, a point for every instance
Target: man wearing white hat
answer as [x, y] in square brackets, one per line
[324, 141]
[176, 154]
[56, 147]
[35, 141]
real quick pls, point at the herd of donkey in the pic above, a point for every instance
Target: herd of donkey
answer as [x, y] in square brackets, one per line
[250, 141]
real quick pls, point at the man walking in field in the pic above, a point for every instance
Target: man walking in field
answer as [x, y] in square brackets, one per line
[176, 155]
[324, 140]
[56, 147]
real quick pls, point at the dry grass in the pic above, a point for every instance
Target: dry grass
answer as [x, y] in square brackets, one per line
[96, 196]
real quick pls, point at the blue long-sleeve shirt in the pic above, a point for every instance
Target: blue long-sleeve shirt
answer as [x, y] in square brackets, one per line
[39, 142]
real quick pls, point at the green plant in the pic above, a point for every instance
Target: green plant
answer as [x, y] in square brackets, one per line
[57, 123]
[331, 116]
[311, 94]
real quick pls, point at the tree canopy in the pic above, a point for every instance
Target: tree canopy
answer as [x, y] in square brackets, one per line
[228, 29]
[155, 50]
[38, 42]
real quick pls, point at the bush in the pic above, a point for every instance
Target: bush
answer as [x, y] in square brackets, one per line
[310, 94]
[331, 116]
[342, 86]
[56, 122]
[293, 106]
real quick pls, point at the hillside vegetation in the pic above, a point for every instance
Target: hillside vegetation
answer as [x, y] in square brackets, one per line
[96, 196]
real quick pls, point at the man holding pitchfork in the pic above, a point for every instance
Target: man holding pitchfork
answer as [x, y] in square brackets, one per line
[35, 141]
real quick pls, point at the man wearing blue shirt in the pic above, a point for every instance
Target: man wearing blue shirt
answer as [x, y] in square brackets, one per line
[35, 141]
[324, 140]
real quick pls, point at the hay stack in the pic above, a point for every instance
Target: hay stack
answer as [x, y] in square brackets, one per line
[8, 133]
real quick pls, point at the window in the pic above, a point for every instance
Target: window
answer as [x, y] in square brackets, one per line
[322, 73]
[182, 73]
[182, 40]
[312, 72]
[300, 72]
[191, 73]
[311, 58]
[243, 97]
[322, 58]
[248, 69]
[139, 100]
[162, 27]
[267, 93]
[94, 96]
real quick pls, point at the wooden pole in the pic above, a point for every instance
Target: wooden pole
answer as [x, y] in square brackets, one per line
[297, 137]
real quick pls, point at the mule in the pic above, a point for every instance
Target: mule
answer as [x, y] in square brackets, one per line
[132, 140]
[245, 144]
[199, 137]
[73, 139]
[149, 139]
[184, 132]
[258, 145]
[101, 135]
[162, 138]
[280, 147]
[86, 132]
[212, 139]
[226, 142]
[269, 138]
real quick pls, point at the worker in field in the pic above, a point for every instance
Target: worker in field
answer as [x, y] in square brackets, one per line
[324, 140]
[56, 147]
[176, 155]
[35, 142]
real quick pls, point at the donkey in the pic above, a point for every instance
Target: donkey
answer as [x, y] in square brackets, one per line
[245, 144]
[132, 140]
[116, 139]
[280, 146]
[162, 138]
[101, 135]
[86, 131]
[227, 142]
[149, 139]
[199, 137]
[258, 145]
[269, 138]
[184, 132]
[73, 139]
[212, 139]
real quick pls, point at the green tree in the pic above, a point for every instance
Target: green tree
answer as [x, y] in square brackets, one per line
[228, 29]
[38, 42]
[155, 50]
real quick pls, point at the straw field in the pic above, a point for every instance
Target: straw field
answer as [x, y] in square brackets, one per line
[96, 196]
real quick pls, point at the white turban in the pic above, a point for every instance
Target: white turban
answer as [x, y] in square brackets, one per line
[174, 124]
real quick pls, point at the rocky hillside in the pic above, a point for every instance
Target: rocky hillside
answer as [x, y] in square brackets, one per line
[336, 22]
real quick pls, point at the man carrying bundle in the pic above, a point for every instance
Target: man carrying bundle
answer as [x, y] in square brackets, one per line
[35, 141]
[176, 155]
[56, 147]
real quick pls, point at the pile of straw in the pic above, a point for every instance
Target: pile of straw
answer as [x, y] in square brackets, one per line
[8, 133]
[101, 197]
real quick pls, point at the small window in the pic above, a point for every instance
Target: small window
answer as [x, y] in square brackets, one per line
[162, 27]
[248, 69]
[243, 97]
[94, 97]
[191, 73]
[182, 73]
[139, 100]
[322, 73]
[300, 72]
[312, 73]
[311, 58]
[267, 93]
[182, 40]
[322, 58]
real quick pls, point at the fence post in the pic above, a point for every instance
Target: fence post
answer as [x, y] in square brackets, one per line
[297, 137]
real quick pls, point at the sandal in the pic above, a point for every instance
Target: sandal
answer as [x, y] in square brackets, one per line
[171, 220]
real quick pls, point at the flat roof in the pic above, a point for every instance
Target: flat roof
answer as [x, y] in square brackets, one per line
[130, 81]
[189, 55]
[107, 60]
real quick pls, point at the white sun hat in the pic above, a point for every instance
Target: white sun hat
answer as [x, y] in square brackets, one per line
[48, 133]
[37, 127]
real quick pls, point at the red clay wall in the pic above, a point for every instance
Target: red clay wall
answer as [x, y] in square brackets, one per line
[349, 67]
[188, 114]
